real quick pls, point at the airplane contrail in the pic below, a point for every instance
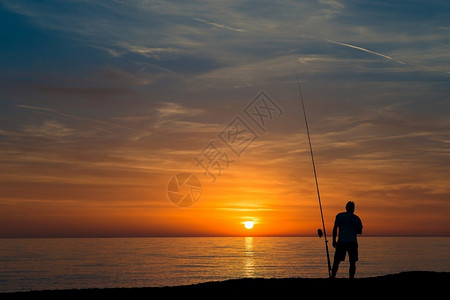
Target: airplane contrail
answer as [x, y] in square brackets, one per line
[219, 25]
[97, 124]
[366, 50]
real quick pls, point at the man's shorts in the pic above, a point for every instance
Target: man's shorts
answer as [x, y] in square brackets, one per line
[343, 247]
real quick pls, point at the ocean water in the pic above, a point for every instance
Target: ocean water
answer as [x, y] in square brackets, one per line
[38, 264]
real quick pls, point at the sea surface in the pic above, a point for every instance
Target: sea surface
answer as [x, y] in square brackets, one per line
[41, 264]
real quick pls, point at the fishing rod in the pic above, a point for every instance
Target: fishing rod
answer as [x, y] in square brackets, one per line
[315, 176]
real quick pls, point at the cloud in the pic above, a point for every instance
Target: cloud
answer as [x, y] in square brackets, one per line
[366, 50]
[137, 88]
[157, 53]
[48, 129]
[78, 121]
[249, 74]
[333, 3]
[219, 25]
[171, 109]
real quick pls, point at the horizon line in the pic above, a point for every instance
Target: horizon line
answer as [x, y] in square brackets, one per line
[204, 236]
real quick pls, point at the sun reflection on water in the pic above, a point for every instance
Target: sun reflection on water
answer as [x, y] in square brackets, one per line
[249, 263]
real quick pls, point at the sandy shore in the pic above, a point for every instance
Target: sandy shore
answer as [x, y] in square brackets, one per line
[415, 283]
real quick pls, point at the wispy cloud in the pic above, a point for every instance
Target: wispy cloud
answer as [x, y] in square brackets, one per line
[102, 126]
[170, 109]
[366, 50]
[127, 92]
[219, 25]
[156, 52]
[332, 3]
[49, 129]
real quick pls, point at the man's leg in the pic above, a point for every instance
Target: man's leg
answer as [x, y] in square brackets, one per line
[352, 269]
[339, 255]
[335, 267]
[353, 258]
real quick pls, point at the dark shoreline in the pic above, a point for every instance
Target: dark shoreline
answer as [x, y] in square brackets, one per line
[414, 283]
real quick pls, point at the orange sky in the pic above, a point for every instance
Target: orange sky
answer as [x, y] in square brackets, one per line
[271, 183]
[96, 121]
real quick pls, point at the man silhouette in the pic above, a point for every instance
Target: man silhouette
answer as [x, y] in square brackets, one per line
[349, 226]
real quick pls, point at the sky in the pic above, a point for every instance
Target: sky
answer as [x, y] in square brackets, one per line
[183, 118]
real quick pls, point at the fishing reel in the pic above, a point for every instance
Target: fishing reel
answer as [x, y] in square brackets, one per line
[319, 232]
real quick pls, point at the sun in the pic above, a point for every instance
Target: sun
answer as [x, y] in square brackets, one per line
[249, 224]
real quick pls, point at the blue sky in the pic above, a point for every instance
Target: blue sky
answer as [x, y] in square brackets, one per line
[137, 88]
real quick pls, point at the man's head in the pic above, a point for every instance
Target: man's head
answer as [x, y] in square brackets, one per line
[350, 206]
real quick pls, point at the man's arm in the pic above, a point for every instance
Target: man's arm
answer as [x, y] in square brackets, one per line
[359, 227]
[335, 230]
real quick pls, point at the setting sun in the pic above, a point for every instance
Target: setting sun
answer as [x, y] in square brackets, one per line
[249, 224]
